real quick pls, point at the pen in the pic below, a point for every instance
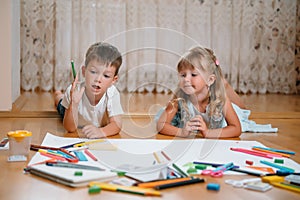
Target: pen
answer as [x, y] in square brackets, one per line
[181, 183]
[127, 189]
[87, 152]
[180, 170]
[71, 165]
[73, 69]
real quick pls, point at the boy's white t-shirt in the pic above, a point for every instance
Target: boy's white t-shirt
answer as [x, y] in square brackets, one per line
[88, 114]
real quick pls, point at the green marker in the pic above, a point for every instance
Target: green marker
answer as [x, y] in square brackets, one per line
[179, 170]
[73, 69]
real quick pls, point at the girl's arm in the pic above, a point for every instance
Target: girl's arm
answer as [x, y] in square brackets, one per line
[233, 128]
[164, 125]
[112, 128]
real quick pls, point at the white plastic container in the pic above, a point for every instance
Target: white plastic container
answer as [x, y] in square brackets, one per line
[19, 145]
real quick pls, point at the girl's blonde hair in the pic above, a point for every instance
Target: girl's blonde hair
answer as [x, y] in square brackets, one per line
[204, 60]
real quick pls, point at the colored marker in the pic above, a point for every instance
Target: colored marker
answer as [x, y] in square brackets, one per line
[87, 152]
[280, 167]
[88, 142]
[224, 167]
[153, 184]
[251, 152]
[72, 165]
[181, 183]
[73, 69]
[127, 189]
[276, 150]
[180, 170]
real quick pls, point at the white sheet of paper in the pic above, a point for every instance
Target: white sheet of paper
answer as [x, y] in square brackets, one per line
[136, 155]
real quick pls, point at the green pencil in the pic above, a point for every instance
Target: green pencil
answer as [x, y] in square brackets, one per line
[73, 69]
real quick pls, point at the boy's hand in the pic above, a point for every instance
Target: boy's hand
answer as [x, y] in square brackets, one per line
[91, 131]
[76, 94]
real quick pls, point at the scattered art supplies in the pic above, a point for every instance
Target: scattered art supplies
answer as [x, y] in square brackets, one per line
[151, 160]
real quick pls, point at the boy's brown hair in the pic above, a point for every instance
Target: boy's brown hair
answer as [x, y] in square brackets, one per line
[104, 53]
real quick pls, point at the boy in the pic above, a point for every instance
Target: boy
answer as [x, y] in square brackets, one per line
[94, 106]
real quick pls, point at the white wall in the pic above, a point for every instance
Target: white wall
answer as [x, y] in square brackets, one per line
[9, 53]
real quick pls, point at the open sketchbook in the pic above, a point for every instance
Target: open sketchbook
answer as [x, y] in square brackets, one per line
[66, 175]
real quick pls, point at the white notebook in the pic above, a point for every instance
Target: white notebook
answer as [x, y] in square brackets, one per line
[67, 176]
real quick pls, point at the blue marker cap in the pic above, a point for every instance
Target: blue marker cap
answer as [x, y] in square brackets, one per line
[213, 186]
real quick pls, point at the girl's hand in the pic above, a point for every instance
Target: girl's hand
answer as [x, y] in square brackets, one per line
[91, 131]
[195, 125]
[76, 94]
[200, 125]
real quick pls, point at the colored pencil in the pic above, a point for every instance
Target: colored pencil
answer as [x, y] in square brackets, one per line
[181, 183]
[126, 189]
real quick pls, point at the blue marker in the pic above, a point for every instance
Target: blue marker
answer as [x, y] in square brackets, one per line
[224, 167]
[282, 168]
[80, 156]
[275, 150]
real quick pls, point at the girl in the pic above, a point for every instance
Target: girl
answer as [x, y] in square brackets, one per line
[200, 105]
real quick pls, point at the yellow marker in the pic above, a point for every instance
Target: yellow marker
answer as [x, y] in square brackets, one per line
[127, 189]
[286, 186]
[89, 142]
[278, 181]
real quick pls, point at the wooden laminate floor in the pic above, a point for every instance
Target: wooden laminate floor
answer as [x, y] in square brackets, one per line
[35, 111]
[149, 103]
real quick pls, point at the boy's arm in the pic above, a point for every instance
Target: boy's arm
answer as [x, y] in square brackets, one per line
[113, 127]
[70, 120]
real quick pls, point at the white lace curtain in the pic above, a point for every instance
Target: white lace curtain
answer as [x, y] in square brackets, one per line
[254, 40]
